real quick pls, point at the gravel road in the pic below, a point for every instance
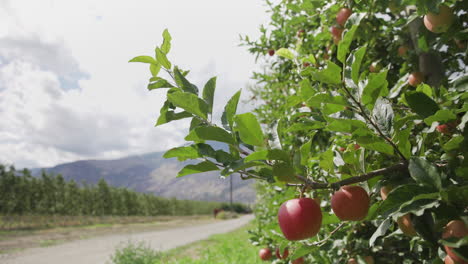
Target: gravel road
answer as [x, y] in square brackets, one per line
[99, 249]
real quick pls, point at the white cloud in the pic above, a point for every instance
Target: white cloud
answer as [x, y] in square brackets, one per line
[67, 91]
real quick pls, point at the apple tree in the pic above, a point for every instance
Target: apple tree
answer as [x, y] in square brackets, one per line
[360, 146]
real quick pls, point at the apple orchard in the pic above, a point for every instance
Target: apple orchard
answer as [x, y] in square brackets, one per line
[359, 146]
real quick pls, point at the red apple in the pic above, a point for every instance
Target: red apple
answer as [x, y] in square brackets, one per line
[271, 52]
[350, 203]
[342, 149]
[298, 261]
[299, 218]
[444, 129]
[406, 225]
[264, 254]
[375, 67]
[402, 50]
[369, 259]
[336, 33]
[455, 228]
[448, 260]
[306, 64]
[415, 78]
[441, 21]
[384, 192]
[343, 16]
[285, 253]
[461, 44]
[357, 146]
[300, 33]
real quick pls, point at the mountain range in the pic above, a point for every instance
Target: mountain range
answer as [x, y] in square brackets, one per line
[151, 173]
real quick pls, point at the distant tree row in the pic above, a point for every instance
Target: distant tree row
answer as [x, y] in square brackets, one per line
[21, 193]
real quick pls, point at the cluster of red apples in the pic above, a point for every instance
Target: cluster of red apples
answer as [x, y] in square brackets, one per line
[301, 218]
[265, 254]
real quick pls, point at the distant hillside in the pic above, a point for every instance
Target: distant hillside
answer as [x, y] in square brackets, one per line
[154, 174]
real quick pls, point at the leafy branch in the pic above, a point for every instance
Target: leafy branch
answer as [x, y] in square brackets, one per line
[356, 179]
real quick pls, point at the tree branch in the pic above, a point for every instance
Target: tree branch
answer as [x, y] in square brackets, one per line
[361, 178]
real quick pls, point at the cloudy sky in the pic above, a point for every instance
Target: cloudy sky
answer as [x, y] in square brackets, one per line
[67, 91]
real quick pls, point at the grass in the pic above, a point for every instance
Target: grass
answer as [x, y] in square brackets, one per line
[229, 248]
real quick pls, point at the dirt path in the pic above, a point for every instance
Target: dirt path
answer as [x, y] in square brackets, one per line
[98, 250]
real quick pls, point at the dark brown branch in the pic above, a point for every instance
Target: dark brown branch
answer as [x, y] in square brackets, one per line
[361, 178]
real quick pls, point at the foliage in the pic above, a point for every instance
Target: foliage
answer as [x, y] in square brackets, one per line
[20, 194]
[134, 254]
[328, 121]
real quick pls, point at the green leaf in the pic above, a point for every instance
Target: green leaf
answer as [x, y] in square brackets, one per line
[183, 83]
[160, 83]
[326, 160]
[166, 46]
[230, 110]
[403, 143]
[381, 230]
[302, 251]
[268, 154]
[400, 195]
[208, 93]
[305, 151]
[454, 143]
[424, 172]
[182, 153]
[398, 87]
[190, 152]
[239, 165]
[161, 57]
[454, 242]
[249, 129]
[198, 168]
[282, 52]
[383, 115]
[203, 133]
[167, 115]
[376, 86]
[330, 75]
[306, 90]
[353, 64]
[328, 218]
[154, 69]
[345, 125]
[190, 103]
[144, 59]
[223, 157]
[345, 43]
[284, 172]
[421, 104]
[443, 116]
[325, 98]
[307, 125]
